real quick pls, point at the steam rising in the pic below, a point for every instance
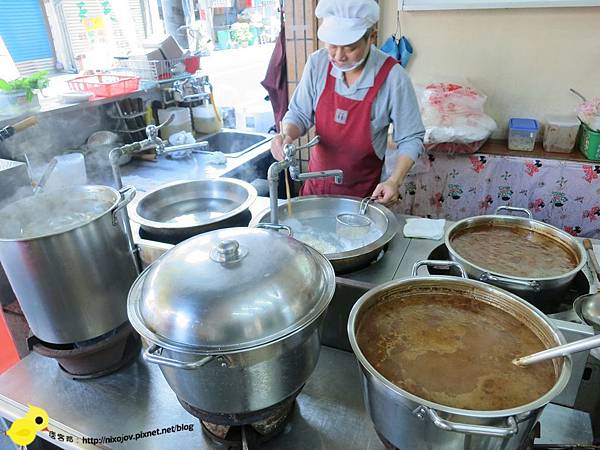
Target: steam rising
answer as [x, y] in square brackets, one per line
[52, 212]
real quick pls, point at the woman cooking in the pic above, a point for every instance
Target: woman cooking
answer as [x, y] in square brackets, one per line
[352, 92]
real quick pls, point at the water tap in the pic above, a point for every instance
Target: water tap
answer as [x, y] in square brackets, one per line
[291, 161]
[191, 89]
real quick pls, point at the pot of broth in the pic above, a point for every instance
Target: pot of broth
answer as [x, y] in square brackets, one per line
[530, 258]
[68, 262]
[436, 357]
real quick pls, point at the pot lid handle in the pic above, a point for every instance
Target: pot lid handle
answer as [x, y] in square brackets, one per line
[228, 251]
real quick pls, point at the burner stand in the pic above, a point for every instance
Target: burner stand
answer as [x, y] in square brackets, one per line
[244, 431]
[93, 358]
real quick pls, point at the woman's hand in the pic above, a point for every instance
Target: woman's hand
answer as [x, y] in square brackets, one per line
[277, 144]
[386, 193]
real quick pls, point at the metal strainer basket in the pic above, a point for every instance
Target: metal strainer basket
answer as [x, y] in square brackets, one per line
[354, 226]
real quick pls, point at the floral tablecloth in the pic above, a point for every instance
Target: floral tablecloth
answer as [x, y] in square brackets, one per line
[565, 194]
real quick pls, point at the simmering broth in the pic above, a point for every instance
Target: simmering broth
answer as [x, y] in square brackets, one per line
[454, 350]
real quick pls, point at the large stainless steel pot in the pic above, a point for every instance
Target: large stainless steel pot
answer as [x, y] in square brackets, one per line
[411, 422]
[545, 293]
[183, 209]
[311, 207]
[67, 260]
[232, 317]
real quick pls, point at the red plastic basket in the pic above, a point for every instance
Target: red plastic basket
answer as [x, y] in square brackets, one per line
[105, 85]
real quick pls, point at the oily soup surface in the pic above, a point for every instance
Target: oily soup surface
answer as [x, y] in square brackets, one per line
[453, 350]
[514, 251]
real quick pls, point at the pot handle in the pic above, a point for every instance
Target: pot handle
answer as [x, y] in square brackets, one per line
[436, 263]
[272, 226]
[127, 195]
[153, 355]
[514, 209]
[532, 284]
[509, 430]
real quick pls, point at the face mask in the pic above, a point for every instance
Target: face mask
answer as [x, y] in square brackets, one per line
[350, 67]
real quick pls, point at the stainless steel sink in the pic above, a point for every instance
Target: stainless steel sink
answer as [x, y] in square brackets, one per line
[234, 143]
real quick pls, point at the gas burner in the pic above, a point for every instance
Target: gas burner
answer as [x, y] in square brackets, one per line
[564, 311]
[244, 431]
[93, 358]
[240, 220]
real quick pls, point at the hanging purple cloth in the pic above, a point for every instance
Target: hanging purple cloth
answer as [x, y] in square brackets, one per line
[275, 81]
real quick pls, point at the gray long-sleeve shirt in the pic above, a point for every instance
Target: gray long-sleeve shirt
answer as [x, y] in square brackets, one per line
[396, 102]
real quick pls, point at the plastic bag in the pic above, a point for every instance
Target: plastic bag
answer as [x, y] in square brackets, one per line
[589, 113]
[181, 138]
[454, 118]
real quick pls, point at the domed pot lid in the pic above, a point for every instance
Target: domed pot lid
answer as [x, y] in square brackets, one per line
[230, 290]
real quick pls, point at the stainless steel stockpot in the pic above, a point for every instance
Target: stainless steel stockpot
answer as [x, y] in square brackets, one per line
[545, 293]
[67, 260]
[233, 316]
[411, 422]
[183, 209]
[312, 206]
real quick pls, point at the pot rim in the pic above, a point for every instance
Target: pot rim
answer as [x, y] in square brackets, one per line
[85, 187]
[162, 226]
[558, 387]
[136, 320]
[385, 238]
[562, 234]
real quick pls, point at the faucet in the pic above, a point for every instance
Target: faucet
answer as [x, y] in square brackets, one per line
[196, 86]
[290, 161]
[152, 142]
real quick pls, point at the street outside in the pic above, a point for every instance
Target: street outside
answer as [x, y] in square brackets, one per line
[236, 75]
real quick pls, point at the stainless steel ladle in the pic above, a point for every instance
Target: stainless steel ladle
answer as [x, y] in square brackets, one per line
[561, 350]
[587, 308]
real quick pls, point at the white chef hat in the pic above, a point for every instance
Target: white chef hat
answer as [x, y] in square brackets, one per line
[345, 21]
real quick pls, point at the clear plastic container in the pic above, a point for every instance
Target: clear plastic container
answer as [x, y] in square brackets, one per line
[182, 121]
[69, 171]
[522, 134]
[560, 133]
[205, 120]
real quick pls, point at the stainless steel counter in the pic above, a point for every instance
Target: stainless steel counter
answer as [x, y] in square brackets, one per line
[52, 102]
[329, 414]
[146, 175]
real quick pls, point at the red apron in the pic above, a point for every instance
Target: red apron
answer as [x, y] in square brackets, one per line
[344, 126]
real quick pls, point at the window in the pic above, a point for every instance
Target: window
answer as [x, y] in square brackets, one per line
[424, 5]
